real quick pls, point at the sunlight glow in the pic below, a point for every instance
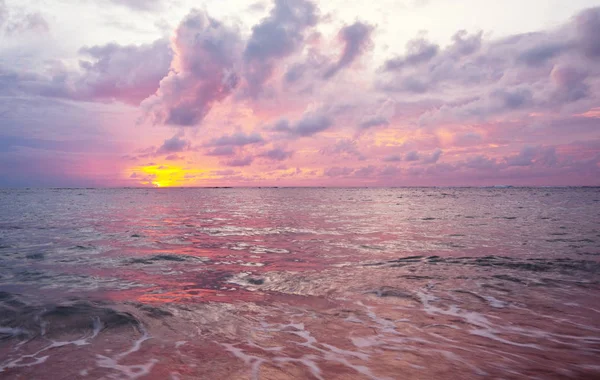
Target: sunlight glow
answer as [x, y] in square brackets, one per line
[168, 175]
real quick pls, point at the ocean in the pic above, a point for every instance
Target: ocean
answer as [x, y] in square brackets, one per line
[300, 283]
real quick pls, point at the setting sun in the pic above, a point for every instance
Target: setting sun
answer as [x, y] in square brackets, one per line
[168, 175]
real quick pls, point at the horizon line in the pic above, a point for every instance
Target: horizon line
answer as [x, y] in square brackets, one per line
[499, 187]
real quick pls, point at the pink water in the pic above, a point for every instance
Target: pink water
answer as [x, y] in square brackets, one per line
[300, 283]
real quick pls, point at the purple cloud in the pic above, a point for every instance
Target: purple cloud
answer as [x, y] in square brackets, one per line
[227, 150]
[237, 139]
[175, 144]
[356, 39]
[126, 73]
[418, 51]
[376, 121]
[275, 37]
[277, 154]
[240, 161]
[203, 72]
[310, 124]
[412, 156]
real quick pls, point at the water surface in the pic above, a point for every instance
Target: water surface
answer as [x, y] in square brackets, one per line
[300, 283]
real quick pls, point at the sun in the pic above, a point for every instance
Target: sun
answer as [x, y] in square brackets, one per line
[167, 175]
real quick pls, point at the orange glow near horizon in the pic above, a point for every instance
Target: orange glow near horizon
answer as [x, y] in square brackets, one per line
[168, 175]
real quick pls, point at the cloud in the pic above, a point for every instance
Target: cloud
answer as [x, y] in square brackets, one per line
[111, 72]
[392, 158]
[237, 139]
[412, 156]
[3, 13]
[275, 37]
[174, 157]
[433, 157]
[465, 44]
[202, 72]
[467, 139]
[239, 161]
[342, 147]
[389, 170]
[222, 151]
[140, 5]
[376, 121]
[570, 83]
[529, 155]
[481, 162]
[418, 51]
[18, 23]
[126, 73]
[31, 22]
[587, 24]
[365, 171]
[541, 53]
[277, 154]
[337, 171]
[356, 38]
[175, 144]
[532, 72]
[509, 107]
[310, 124]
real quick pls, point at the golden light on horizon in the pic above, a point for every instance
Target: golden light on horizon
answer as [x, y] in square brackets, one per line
[168, 175]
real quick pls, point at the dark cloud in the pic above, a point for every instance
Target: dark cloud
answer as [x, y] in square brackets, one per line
[465, 44]
[277, 154]
[275, 37]
[126, 73]
[111, 72]
[222, 151]
[239, 161]
[365, 171]
[295, 72]
[587, 25]
[418, 51]
[203, 74]
[375, 121]
[524, 158]
[412, 156]
[237, 139]
[534, 155]
[356, 38]
[539, 54]
[433, 157]
[511, 99]
[570, 84]
[310, 124]
[175, 144]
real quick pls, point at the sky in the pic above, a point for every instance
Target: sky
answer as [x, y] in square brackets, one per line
[158, 93]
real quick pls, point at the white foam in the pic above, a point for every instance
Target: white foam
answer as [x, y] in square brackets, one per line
[129, 371]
